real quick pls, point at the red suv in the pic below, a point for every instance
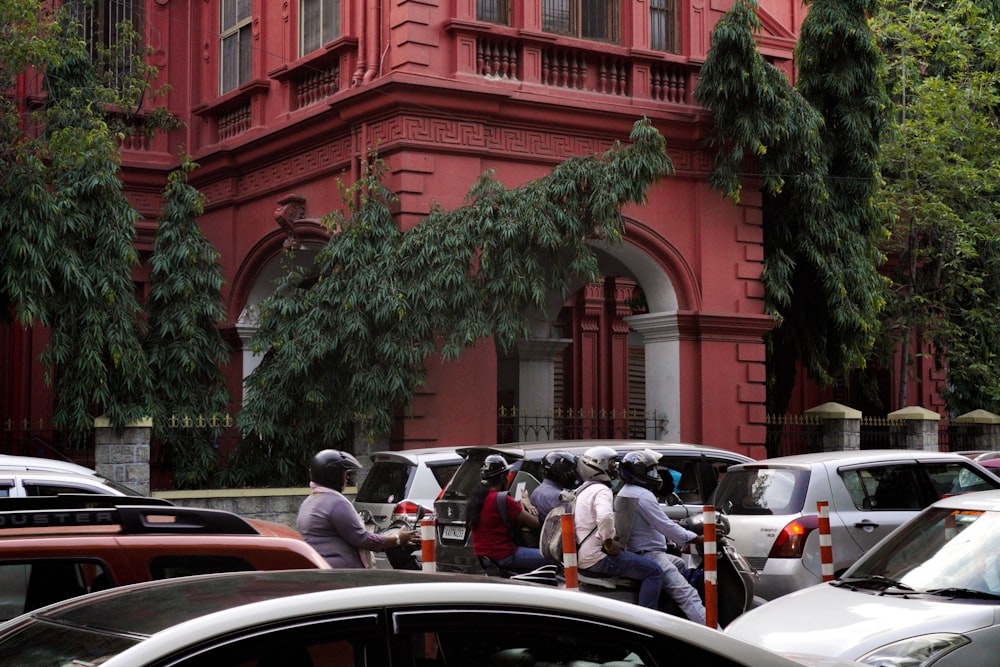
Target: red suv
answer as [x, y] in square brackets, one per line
[58, 547]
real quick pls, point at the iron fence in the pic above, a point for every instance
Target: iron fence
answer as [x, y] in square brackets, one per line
[516, 425]
[796, 434]
[39, 438]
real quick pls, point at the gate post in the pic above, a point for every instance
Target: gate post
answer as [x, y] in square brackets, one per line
[123, 455]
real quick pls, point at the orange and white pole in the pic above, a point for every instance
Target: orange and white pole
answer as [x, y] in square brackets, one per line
[711, 569]
[825, 540]
[568, 522]
[428, 554]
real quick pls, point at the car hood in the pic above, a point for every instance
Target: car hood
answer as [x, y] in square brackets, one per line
[832, 621]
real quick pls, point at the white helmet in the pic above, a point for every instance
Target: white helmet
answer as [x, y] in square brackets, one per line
[599, 464]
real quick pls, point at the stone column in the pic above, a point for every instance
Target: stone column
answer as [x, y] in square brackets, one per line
[983, 428]
[841, 428]
[123, 456]
[535, 379]
[921, 427]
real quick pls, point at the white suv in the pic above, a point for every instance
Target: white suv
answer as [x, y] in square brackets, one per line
[400, 482]
[22, 476]
[771, 506]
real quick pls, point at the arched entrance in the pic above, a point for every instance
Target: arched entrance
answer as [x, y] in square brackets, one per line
[605, 362]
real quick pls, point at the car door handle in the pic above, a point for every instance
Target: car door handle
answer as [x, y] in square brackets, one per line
[866, 524]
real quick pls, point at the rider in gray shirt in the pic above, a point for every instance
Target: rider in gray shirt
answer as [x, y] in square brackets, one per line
[328, 521]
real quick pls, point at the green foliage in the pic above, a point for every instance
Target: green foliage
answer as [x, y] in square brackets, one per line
[184, 345]
[815, 151]
[942, 173]
[66, 227]
[347, 341]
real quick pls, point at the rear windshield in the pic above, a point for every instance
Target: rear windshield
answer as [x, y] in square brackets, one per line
[762, 491]
[385, 482]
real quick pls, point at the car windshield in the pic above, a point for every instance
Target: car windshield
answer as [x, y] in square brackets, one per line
[39, 642]
[756, 490]
[955, 553]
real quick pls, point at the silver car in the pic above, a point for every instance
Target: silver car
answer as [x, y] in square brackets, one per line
[773, 516]
[398, 483]
[929, 594]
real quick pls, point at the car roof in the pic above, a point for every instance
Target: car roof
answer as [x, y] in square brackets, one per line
[214, 604]
[855, 456]
[535, 450]
[414, 456]
[14, 463]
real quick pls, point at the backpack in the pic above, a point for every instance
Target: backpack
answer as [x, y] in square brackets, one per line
[550, 540]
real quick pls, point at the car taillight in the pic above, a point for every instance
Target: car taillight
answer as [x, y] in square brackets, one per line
[405, 507]
[792, 538]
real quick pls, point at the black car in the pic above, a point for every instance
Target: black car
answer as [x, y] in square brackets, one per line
[696, 470]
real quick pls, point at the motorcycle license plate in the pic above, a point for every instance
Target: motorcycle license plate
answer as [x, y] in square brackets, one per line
[453, 533]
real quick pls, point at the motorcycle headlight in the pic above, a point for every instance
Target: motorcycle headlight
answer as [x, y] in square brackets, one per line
[919, 651]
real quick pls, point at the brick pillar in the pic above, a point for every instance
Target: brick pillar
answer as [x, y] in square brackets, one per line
[123, 456]
[983, 428]
[921, 427]
[841, 428]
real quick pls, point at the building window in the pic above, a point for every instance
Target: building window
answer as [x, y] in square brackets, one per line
[493, 11]
[319, 23]
[588, 19]
[104, 25]
[663, 25]
[236, 39]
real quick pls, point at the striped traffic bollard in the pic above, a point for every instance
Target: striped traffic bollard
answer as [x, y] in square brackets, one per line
[568, 523]
[427, 551]
[711, 569]
[825, 540]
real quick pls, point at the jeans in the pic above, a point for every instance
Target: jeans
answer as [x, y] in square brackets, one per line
[676, 585]
[524, 559]
[632, 566]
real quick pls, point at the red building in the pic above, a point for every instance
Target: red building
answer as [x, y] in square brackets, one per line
[282, 99]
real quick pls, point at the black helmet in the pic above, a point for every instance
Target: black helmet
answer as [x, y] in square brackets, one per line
[493, 467]
[640, 468]
[560, 467]
[329, 468]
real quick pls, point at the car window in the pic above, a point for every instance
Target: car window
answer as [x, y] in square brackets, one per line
[6, 486]
[28, 585]
[385, 482]
[54, 488]
[183, 565]
[763, 491]
[949, 478]
[522, 637]
[340, 642]
[886, 488]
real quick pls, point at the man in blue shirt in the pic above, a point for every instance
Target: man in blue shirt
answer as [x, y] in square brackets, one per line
[560, 473]
[651, 529]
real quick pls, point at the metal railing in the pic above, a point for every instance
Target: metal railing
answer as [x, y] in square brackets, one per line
[516, 425]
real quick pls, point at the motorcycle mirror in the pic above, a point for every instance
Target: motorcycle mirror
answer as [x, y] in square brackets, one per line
[420, 513]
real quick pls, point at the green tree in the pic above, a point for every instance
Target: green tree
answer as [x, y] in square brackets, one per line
[347, 340]
[816, 155]
[64, 219]
[186, 350]
[942, 173]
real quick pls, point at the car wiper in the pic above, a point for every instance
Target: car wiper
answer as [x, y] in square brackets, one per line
[888, 582]
[966, 593]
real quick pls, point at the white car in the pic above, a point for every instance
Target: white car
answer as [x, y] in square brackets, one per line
[929, 594]
[398, 483]
[771, 506]
[22, 476]
[349, 618]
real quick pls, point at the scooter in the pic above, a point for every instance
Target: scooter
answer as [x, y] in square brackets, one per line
[736, 577]
[402, 557]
